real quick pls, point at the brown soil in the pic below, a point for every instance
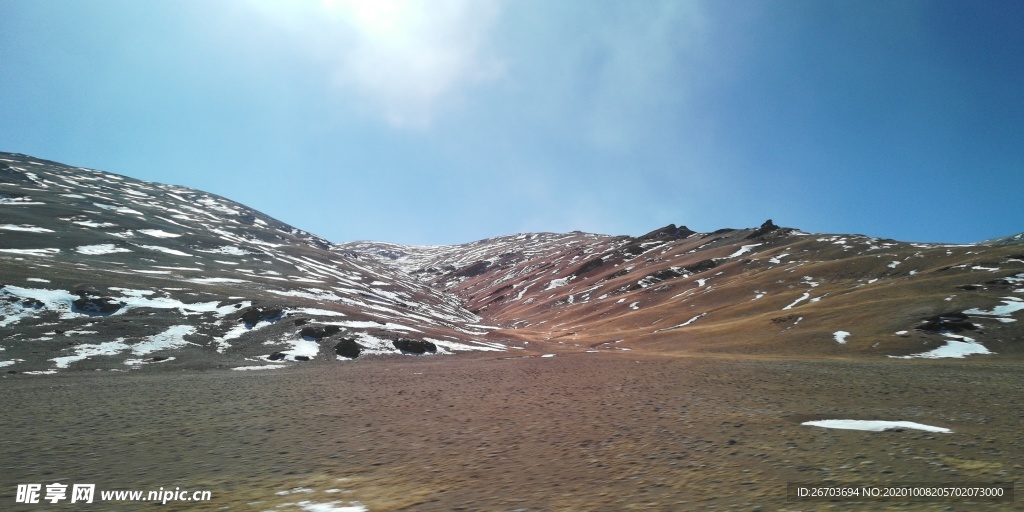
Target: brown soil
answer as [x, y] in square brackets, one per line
[578, 431]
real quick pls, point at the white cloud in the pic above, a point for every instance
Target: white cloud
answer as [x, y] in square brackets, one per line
[404, 60]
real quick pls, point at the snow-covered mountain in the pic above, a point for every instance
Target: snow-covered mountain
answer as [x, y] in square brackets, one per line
[101, 271]
[104, 270]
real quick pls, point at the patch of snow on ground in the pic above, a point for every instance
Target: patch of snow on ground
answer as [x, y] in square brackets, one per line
[556, 283]
[802, 298]
[25, 228]
[302, 347]
[227, 249]
[743, 250]
[94, 224]
[1010, 305]
[318, 312]
[875, 425]
[84, 351]
[139, 362]
[684, 324]
[32, 252]
[158, 233]
[263, 367]
[958, 347]
[173, 337]
[332, 506]
[840, 337]
[454, 346]
[214, 280]
[166, 250]
[894, 264]
[634, 305]
[100, 249]
[37, 279]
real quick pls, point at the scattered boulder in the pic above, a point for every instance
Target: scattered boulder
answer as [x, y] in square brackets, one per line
[348, 347]
[277, 356]
[319, 331]
[414, 346]
[668, 273]
[253, 315]
[302, 358]
[952, 322]
[96, 305]
[299, 322]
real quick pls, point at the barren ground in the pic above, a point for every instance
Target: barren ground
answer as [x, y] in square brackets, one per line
[584, 431]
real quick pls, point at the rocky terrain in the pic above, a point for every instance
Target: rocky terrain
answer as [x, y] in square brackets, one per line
[676, 370]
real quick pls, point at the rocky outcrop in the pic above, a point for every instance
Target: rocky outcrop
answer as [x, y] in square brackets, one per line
[701, 266]
[254, 315]
[765, 228]
[414, 346]
[670, 232]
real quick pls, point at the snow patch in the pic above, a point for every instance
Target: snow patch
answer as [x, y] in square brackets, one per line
[875, 425]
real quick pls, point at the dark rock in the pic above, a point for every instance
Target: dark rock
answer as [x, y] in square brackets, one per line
[953, 322]
[588, 266]
[414, 346]
[253, 315]
[302, 358]
[666, 274]
[277, 356]
[633, 249]
[701, 266]
[618, 273]
[96, 305]
[765, 228]
[157, 359]
[32, 303]
[299, 322]
[783, 319]
[348, 347]
[968, 287]
[319, 331]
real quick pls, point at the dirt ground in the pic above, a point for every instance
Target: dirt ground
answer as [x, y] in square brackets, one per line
[578, 431]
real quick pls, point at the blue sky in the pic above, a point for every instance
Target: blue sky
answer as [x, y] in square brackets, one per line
[450, 121]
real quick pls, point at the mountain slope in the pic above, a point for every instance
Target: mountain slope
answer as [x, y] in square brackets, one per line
[105, 271]
[100, 271]
[768, 290]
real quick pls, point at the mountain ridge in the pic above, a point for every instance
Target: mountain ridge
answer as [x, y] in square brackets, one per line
[216, 283]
